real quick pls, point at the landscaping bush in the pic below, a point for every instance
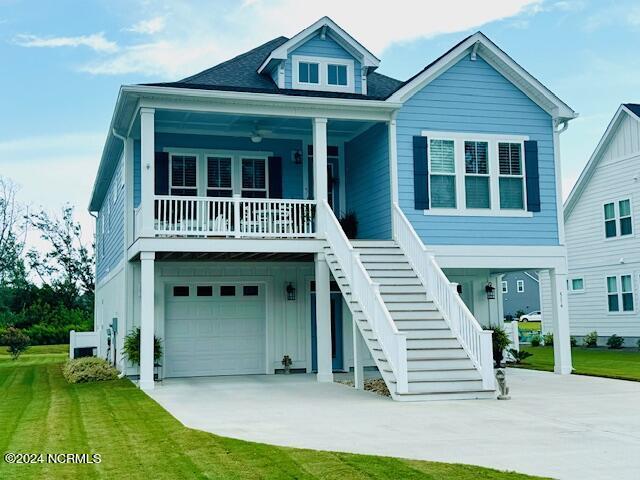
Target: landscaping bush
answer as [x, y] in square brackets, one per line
[519, 355]
[615, 342]
[16, 341]
[548, 339]
[573, 341]
[638, 344]
[131, 347]
[535, 341]
[591, 339]
[88, 369]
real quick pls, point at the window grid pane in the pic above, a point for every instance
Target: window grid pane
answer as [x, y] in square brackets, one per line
[441, 156]
[613, 303]
[511, 193]
[219, 172]
[577, 284]
[609, 211]
[510, 159]
[477, 192]
[624, 208]
[612, 286]
[443, 191]
[475, 157]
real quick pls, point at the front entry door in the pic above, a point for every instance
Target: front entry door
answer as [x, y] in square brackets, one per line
[336, 332]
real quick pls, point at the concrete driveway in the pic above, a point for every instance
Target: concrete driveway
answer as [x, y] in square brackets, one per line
[563, 427]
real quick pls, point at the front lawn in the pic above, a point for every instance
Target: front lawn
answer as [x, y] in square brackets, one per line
[600, 362]
[530, 326]
[136, 438]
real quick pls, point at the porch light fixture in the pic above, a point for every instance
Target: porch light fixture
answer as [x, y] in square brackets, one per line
[297, 157]
[291, 292]
[256, 137]
[491, 291]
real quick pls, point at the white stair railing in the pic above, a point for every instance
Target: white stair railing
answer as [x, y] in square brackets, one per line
[367, 293]
[475, 340]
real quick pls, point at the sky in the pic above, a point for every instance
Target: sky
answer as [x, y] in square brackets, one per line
[62, 63]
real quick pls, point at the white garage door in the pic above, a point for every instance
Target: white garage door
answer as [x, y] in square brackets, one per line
[214, 329]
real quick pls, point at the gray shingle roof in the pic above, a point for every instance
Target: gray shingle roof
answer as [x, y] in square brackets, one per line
[241, 74]
[634, 107]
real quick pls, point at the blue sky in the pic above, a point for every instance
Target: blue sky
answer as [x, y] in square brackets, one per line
[61, 64]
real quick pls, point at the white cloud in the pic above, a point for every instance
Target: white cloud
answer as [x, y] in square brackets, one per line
[197, 34]
[148, 27]
[96, 41]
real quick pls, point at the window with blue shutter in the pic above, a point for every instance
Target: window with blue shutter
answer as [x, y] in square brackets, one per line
[420, 173]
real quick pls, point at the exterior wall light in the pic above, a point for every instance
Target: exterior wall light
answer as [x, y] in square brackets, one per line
[491, 291]
[297, 157]
[291, 292]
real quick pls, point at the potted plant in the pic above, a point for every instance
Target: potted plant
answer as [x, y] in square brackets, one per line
[500, 341]
[349, 224]
[286, 363]
[131, 348]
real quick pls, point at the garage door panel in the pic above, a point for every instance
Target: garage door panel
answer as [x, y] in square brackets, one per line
[214, 335]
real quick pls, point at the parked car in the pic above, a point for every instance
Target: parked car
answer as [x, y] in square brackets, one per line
[531, 317]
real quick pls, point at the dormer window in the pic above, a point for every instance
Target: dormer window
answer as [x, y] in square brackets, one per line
[308, 73]
[337, 74]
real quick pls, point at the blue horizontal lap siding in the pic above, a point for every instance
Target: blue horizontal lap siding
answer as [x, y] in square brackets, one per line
[328, 48]
[368, 184]
[473, 97]
[111, 244]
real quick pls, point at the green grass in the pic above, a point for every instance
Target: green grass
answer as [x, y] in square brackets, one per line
[36, 355]
[529, 326]
[136, 438]
[599, 362]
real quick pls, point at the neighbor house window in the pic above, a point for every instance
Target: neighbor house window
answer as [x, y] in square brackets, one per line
[183, 175]
[181, 291]
[228, 291]
[476, 180]
[520, 286]
[511, 181]
[219, 177]
[308, 73]
[620, 293]
[337, 75]
[254, 177]
[505, 287]
[442, 172]
[617, 219]
[204, 291]
[577, 284]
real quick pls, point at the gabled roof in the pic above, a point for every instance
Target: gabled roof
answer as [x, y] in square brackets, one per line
[331, 28]
[631, 109]
[480, 44]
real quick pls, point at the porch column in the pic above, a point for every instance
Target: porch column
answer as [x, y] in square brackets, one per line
[323, 319]
[147, 176]
[561, 336]
[320, 167]
[147, 318]
[358, 350]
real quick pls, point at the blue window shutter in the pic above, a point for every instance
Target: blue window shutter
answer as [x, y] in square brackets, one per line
[275, 177]
[420, 173]
[161, 171]
[533, 177]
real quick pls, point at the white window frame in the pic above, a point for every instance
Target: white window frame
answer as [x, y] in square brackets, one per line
[481, 175]
[206, 175]
[578, 290]
[266, 174]
[443, 174]
[183, 154]
[323, 73]
[619, 292]
[494, 191]
[520, 286]
[505, 286]
[617, 218]
[522, 175]
[201, 155]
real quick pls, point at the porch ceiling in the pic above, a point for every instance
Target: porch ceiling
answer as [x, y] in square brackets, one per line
[177, 121]
[235, 256]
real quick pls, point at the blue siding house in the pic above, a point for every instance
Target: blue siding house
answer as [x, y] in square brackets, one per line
[226, 202]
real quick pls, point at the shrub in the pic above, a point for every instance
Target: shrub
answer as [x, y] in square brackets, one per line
[591, 339]
[519, 355]
[16, 341]
[548, 339]
[615, 342]
[573, 341]
[500, 340]
[88, 369]
[638, 344]
[535, 341]
[131, 347]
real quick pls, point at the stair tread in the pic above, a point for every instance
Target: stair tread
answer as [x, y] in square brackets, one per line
[447, 392]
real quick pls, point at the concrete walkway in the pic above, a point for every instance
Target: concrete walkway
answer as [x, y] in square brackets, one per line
[570, 427]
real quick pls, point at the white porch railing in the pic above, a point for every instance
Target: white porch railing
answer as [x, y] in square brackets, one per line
[233, 216]
[475, 340]
[367, 293]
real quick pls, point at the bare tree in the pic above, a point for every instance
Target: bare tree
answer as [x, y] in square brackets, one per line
[12, 233]
[69, 261]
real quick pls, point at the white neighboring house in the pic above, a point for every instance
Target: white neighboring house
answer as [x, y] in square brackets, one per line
[217, 198]
[601, 222]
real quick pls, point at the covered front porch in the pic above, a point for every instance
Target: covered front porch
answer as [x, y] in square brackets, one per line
[226, 175]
